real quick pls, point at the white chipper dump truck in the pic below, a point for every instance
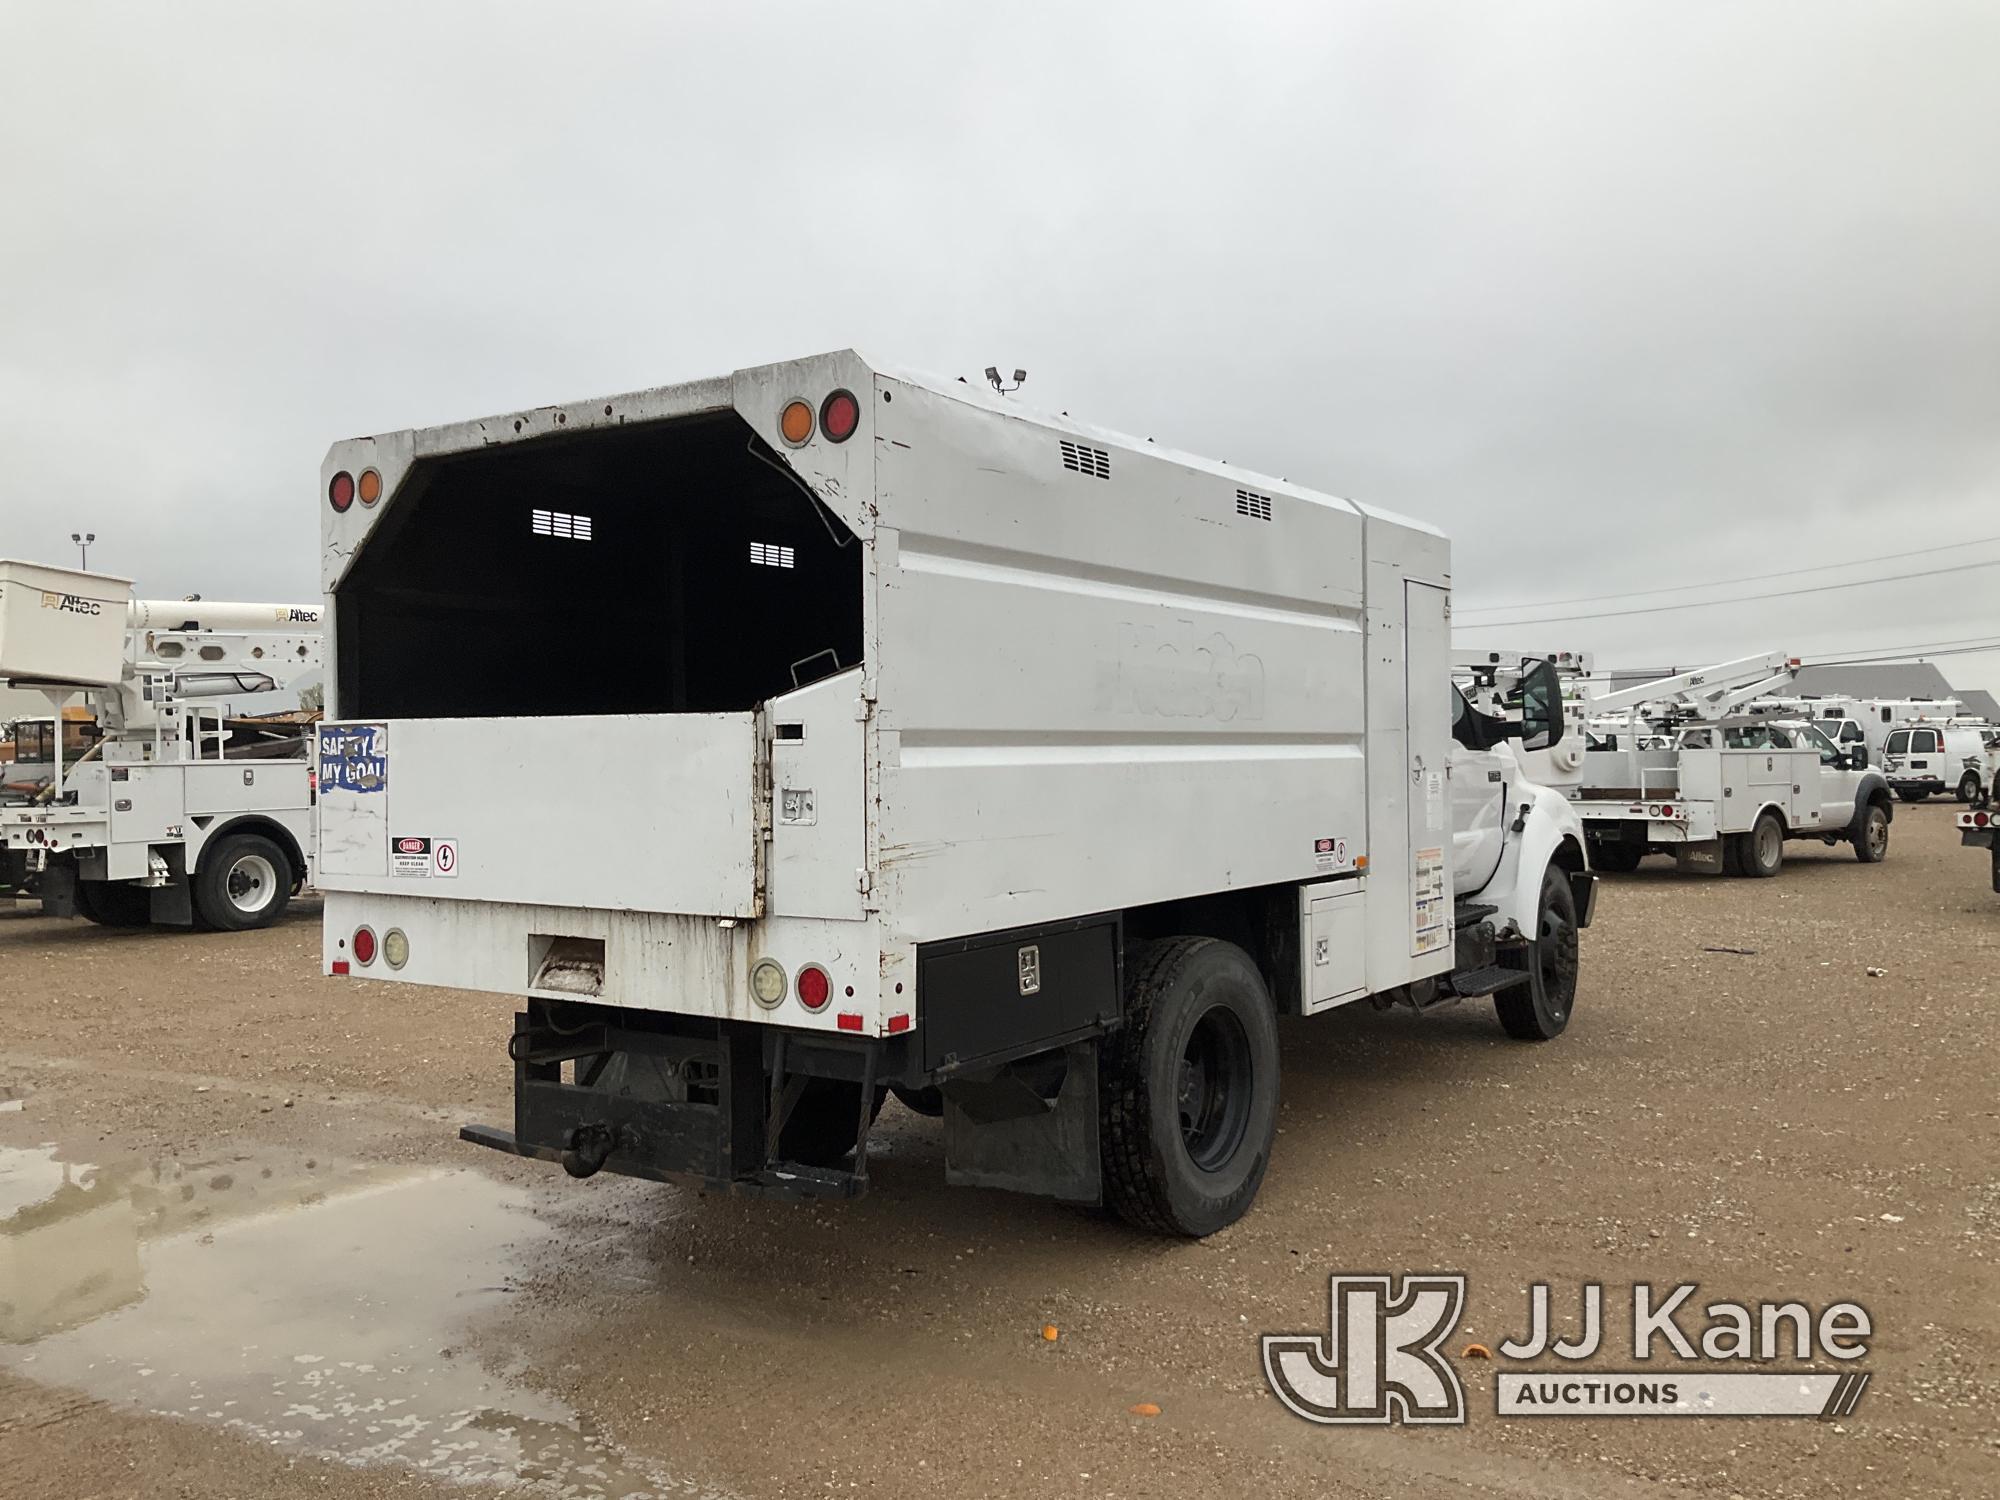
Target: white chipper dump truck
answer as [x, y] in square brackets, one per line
[180, 814]
[782, 738]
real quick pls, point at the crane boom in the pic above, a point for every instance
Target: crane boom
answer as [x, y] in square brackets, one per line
[1708, 692]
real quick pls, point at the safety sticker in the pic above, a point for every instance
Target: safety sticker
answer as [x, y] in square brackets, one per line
[1429, 911]
[353, 758]
[1331, 854]
[410, 856]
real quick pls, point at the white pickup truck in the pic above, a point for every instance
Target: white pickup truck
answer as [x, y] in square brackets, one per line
[910, 738]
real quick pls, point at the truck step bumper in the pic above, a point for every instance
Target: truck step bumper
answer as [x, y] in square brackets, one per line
[779, 1180]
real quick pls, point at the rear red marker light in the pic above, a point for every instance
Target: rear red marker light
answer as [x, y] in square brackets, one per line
[341, 492]
[839, 415]
[848, 1020]
[1979, 820]
[1666, 809]
[814, 988]
[898, 1023]
[340, 966]
[364, 945]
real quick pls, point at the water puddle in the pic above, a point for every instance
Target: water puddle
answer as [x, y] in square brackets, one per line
[317, 1309]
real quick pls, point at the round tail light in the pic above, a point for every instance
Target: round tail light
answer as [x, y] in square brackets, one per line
[369, 487]
[795, 423]
[839, 415]
[395, 947]
[815, 988]
[767, 982]
[363, 945]
[340, 492]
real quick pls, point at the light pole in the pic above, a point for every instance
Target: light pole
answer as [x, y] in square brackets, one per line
[83, 539]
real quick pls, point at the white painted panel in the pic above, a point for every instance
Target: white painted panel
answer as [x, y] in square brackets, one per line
[641, 812]
[819, 836]
[1335, 951]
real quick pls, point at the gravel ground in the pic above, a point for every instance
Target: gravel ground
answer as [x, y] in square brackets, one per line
[283, 1252]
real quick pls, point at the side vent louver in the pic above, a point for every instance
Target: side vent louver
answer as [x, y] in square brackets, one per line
[1084, 459]
[1256, 507]
[772, 555]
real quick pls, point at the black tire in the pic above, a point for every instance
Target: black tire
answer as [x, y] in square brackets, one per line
[1616, 858]
[924, 1101]
[1763, 848]
[825, 1123]
[1732, 853]
[245, 881]
[1968, 787]
[1914, 793]
[111, 905]
[1188, 1088]
[1539, 1010]
[1871, 839]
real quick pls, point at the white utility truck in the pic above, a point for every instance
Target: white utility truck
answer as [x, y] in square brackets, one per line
[1729, 787]
[780, 738]
[179, 814]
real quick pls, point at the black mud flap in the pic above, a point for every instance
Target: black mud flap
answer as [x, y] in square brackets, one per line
[1029, 1126]
[1583, 890]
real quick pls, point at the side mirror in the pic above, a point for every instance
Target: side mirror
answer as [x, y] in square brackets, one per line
[1541, 705]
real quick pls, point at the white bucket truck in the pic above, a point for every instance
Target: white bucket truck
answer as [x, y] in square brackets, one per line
[178, 814]
[1721, 788]
[781, 738]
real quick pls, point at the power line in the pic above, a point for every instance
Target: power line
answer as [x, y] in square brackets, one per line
[1660, 609]
[1715, 583]
[1862, 661]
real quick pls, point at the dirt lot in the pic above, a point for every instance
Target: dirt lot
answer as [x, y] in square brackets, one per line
[242, 1252]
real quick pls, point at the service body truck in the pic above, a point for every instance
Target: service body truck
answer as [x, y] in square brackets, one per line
[784, 737]
[1725, 789]
[178, 814]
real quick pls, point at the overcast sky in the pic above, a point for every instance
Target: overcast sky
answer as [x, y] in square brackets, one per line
[1623, 296]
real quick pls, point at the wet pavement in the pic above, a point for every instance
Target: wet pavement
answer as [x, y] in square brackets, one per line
[329, 1310]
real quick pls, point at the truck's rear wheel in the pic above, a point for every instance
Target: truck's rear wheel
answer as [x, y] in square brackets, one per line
[244, 881]
[111, 905]
[1762, 852]
[1189, 1088]
[928, 1100]
[1968, 786]
[1871, 840]
[1539, 1010]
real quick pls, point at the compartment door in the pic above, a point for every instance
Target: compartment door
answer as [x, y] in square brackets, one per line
[1427, 685]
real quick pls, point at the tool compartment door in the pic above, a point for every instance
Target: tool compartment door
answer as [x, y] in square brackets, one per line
[638, 812]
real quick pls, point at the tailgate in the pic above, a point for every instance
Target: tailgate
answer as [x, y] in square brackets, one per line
[642, 812]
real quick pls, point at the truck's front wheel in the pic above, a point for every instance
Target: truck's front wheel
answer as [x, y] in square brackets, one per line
[1189, 1088]
[1871, 842]
[244, 881]
[1539, 1010]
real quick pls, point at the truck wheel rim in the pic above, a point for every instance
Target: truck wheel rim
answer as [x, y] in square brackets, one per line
[1878, 833]
[1556, 959]
[1212, 1095]
[251, 884]
[1768, 842]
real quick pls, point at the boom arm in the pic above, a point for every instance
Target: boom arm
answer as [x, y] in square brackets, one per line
[1709, 692]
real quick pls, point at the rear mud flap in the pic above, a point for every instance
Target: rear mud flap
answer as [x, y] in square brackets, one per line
[1029, 1126]
[1704, 858]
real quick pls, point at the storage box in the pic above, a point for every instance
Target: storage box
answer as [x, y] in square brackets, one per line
[61, 625]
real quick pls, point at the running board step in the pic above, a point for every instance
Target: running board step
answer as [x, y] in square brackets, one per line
[1487, 981]
[1468, 912]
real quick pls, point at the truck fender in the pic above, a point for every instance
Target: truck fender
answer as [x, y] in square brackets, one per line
[270, 828]
[1872, 792]
[1551, 833]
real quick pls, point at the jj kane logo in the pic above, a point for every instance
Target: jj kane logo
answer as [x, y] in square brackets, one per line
[1382, 1359]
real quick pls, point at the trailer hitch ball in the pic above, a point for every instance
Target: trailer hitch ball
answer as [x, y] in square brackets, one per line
[587, 1148]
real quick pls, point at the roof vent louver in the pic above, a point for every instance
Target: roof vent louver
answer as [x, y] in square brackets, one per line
[1256, 507]
[1084, 459]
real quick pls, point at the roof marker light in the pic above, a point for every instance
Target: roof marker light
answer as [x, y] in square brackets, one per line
[369, 490]
[340, 493]
[795, 423]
